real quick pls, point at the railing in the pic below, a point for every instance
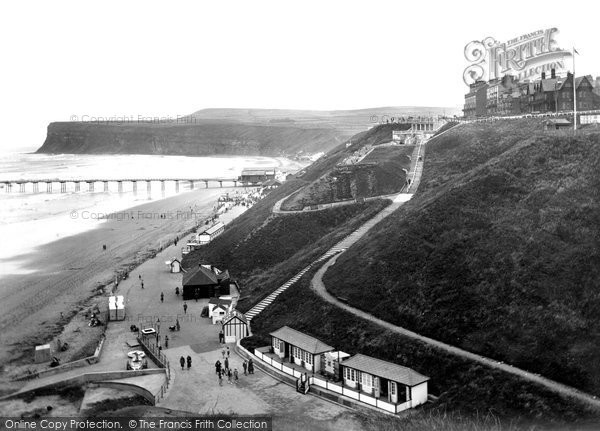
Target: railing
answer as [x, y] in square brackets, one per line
[161, 360]
[333, 387]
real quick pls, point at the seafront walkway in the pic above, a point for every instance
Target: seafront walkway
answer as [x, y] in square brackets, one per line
[197, 389]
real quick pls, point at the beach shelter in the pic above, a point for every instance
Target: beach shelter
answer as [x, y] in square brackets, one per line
[203, 282]
[175, 265]
[235, 328]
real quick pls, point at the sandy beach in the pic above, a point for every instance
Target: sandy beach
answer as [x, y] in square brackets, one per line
[69, 272]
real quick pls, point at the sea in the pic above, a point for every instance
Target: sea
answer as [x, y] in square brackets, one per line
[31, 219]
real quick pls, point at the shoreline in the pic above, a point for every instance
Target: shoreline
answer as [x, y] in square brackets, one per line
[74, 274]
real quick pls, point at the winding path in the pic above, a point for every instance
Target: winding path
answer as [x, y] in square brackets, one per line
[330, 258]
[319, 287]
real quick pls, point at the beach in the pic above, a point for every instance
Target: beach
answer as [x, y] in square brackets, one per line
[69, 272]
[54, 268]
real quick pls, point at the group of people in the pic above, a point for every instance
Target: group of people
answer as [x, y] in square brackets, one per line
[224, 370]
[182, 362]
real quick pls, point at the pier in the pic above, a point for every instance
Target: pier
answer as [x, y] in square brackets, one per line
[75, 185]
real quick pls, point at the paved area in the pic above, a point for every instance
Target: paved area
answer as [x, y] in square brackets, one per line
[198, 390]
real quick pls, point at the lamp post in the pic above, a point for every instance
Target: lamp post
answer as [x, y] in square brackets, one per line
[574, 93]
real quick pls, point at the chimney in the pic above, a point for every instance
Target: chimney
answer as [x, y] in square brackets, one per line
[553, 73]
[543, 75]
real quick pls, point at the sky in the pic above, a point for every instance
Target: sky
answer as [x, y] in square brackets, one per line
[76, 59]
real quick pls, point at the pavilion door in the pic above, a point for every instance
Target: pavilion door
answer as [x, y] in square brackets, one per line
[392, 392]
[376, 390]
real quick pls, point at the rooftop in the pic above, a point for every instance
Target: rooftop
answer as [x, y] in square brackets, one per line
[214, 228]
[219, 301]
[300, 340]
[387, 370]
[200, 276]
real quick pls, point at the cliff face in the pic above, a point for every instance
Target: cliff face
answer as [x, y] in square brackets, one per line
[198, 139]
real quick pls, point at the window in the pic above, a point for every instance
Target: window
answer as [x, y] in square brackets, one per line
[366, 379]
[296, 352]
[393, 388]
[350, 374]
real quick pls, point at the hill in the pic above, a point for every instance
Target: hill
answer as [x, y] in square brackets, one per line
[498, 252]
[257, 132]
[202, 138]
[263, 251]
[349, 121]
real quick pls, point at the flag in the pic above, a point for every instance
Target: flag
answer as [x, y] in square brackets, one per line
[575, 51]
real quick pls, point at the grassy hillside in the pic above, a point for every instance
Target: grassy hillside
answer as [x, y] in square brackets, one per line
[498, 253]
[279, 246]
[262, 251]
[463, 387]
[381, 172]
[351, 121]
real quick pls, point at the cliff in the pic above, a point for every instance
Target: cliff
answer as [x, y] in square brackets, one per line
[201, 138]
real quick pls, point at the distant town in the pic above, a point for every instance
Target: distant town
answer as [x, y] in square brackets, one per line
[507, 96]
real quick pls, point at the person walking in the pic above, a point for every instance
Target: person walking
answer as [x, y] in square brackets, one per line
[235, 376]
[177, 292]
[221, 336]
[142, 284]
[228, 352]
[184, 308]
[189, 362]
[245, 366]
[177, 326]
[250, 366]
[162, 297]
[218, 367]
[166, 341]
[229, 374]
[220, 378]
[182, 362]
[226, 364]
[223, 352]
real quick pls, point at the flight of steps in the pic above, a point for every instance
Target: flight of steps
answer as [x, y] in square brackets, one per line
[415, 176]
[348, 241]
[340, 247]
[254, 311]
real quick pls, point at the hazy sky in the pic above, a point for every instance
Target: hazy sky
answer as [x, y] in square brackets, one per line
[171, 58]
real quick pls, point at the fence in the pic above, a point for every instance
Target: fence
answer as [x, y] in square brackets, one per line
[156, 354]
[335, 387]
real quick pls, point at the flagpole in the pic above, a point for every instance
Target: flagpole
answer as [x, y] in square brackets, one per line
[574, 95]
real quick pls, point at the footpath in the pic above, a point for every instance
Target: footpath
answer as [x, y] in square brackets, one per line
[332, 255]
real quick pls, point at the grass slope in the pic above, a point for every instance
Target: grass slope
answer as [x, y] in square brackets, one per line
[498, 253]
[463, 387]
[262, 251]
[273, 251]
[381, 172]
